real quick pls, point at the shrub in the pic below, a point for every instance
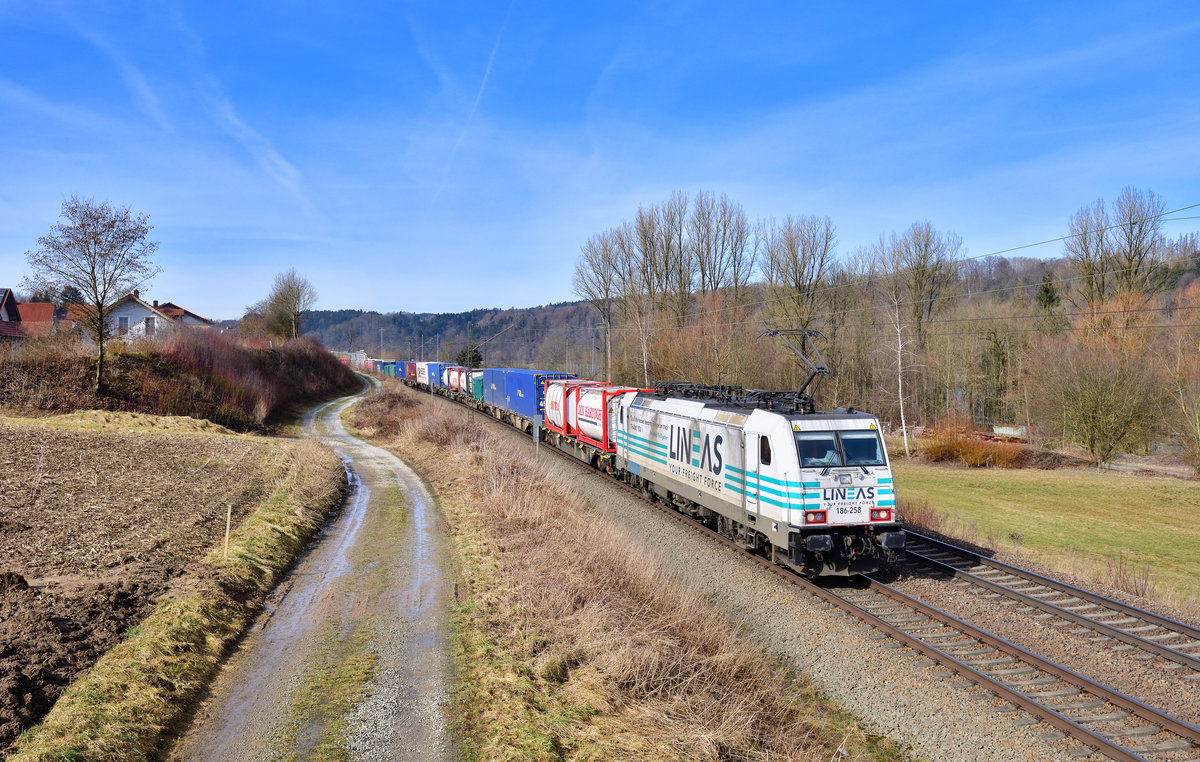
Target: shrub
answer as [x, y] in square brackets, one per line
[203, 374]
[952, 441]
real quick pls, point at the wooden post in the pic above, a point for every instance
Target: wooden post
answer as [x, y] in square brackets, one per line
[228, 520]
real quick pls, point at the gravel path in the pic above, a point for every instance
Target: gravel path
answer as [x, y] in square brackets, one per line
[370, 587]
[895, 691]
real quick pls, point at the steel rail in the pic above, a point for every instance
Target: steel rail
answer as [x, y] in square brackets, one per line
[1084, 735]
[1135, 707]
[1110, 630]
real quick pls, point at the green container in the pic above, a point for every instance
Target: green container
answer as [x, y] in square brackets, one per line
[477, 387]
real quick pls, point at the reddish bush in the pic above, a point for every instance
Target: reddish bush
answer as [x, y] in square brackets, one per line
[955, 442]
[198, 373]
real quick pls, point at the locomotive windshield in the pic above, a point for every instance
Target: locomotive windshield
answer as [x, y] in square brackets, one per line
[824, 449]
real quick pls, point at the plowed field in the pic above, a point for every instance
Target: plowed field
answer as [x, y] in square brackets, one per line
[94, 527]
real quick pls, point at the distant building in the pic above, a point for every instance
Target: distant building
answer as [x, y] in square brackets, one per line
[130, 318]
[10, 319]
[42, 319]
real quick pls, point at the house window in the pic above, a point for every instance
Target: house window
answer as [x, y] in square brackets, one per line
[764, 451]
[149, 326]
[122, 326]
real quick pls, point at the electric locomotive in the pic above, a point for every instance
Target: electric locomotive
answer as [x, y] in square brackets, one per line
[813, 490]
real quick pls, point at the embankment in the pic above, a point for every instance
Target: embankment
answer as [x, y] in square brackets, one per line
[201, 374]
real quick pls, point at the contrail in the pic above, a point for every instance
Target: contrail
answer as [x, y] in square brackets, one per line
[487, 72]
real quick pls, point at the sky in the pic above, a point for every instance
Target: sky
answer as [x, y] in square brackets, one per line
[445, 156]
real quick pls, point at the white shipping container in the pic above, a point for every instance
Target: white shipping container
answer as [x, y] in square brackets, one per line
[588, 414]
[555, 394]
[422, 373]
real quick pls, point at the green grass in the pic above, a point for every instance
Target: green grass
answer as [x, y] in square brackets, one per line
[329, 690]
[1064, 516]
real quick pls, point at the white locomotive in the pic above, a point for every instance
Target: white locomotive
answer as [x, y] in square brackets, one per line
[813, 490]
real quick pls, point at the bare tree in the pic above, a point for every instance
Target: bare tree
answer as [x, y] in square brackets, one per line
[1088, 249]
[282, 312]
[733, 237]
[678, 256]
[927, 262]
[703, 236]
[637, 301]
[292, 296]
[596, 281]
[649, 257]
[799, 256]
[100, 251]
[718, 234]
[893, 288]
[1137, 242]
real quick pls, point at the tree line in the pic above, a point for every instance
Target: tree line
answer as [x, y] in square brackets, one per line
[1096, 348]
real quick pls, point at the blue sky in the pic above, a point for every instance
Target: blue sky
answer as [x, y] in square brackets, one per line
[441, 156]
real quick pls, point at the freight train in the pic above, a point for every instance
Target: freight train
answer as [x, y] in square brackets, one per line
[811, 490]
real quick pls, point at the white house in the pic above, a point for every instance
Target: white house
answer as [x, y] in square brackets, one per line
[10, 326]
[132, 318]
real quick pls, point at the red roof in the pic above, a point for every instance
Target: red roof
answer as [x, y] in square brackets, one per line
[34, 312]
[173, 310]
[37, 318]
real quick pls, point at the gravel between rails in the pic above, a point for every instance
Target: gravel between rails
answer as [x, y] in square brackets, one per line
[895, 691]
[1149, 679]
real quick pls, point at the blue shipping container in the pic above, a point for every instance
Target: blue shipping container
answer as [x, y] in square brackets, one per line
[493, 386]
[435, 373]
[522, 391]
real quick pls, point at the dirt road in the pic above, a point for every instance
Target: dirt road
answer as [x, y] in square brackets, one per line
[350, 654]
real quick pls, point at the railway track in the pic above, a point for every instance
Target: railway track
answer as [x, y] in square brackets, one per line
[1117, 623]
[1102, 720]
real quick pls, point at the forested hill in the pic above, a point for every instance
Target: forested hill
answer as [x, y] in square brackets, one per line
[549, 336]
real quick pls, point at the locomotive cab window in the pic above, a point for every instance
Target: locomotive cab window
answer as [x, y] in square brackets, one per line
[764, 451]
[863, 448]
[818, 449]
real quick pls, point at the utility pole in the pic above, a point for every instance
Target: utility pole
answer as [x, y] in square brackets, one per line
[470, 359]
[410, 354]
[420, 343]
[380, 342]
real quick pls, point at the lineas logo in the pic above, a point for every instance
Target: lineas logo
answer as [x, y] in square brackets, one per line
[848, 493]
[710, 456]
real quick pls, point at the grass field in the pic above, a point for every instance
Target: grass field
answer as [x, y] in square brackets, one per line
[1074, 520]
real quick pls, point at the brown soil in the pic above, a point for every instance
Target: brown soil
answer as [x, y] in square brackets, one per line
[94, 527]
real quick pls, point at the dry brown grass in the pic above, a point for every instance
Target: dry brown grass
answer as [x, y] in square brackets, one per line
[574, 641]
